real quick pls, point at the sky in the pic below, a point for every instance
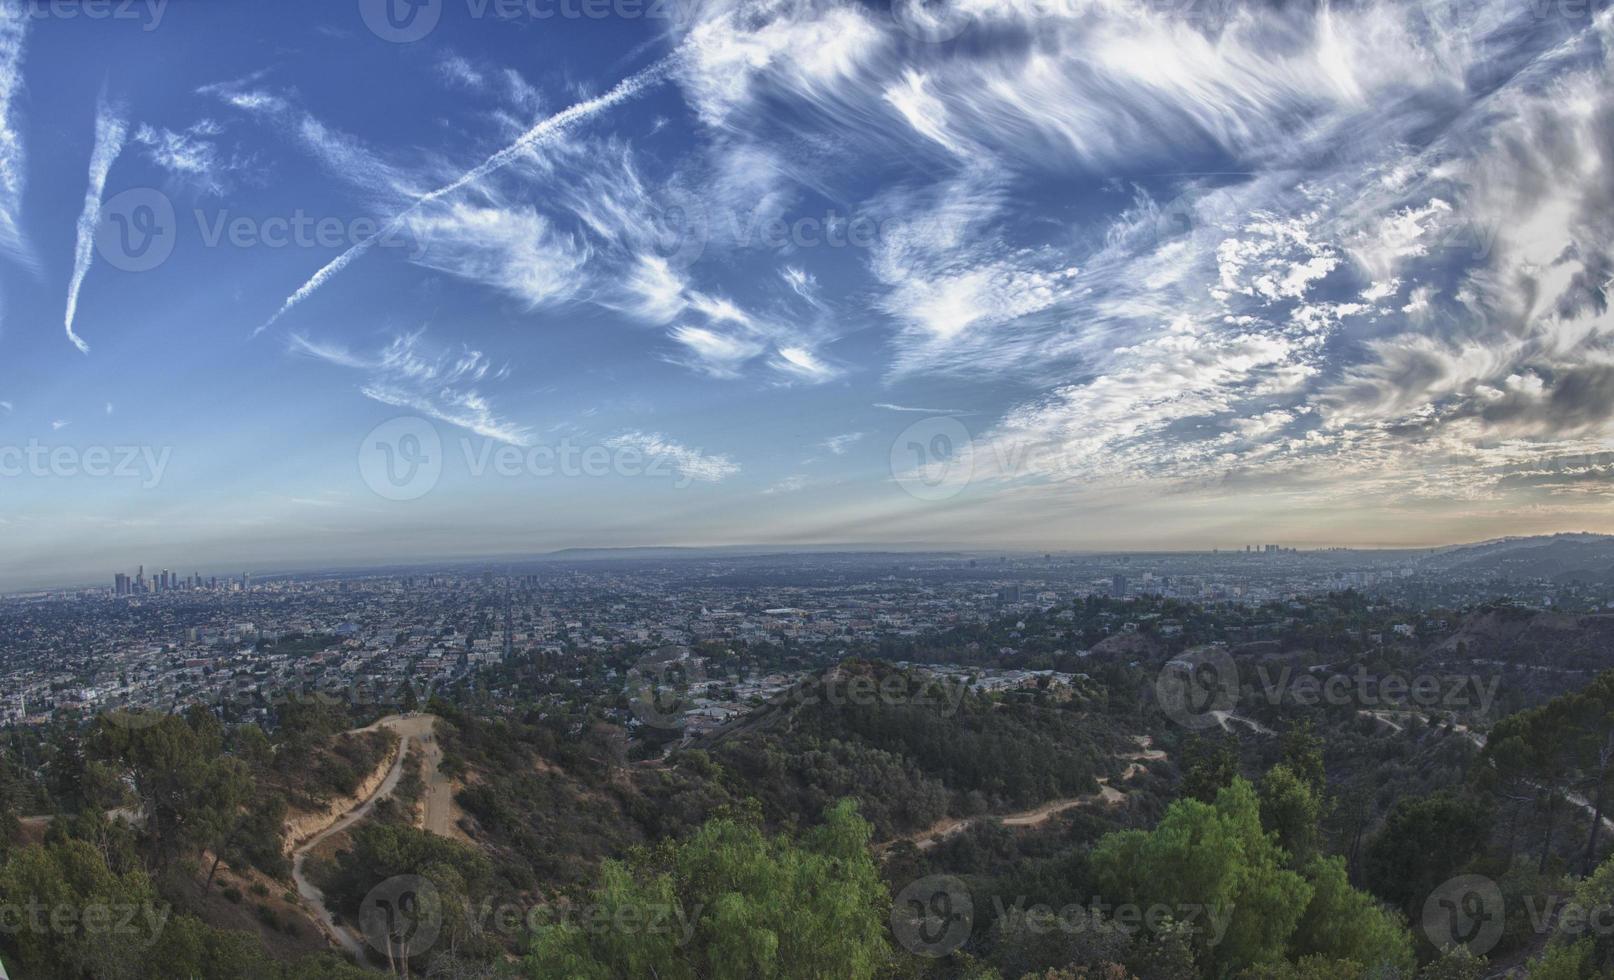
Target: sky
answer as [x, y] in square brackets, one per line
[346, 281]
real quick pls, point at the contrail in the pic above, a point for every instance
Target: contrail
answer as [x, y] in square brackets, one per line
[541, 133]
[13, 242]
[110, 130]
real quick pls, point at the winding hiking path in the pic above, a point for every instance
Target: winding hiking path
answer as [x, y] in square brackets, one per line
[410, 728]
[1478, 740]
[1107, 795]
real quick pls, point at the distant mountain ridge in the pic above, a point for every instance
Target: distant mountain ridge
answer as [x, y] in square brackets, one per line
[1560, 558]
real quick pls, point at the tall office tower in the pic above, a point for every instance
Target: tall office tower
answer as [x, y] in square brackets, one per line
[246, 581]
[1118, 585]
[140, 579]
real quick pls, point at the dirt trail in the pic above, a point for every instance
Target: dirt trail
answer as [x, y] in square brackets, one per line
[1107, 795]
[1224, 717]
[440, 813]
[1478, 740]
[410, 728]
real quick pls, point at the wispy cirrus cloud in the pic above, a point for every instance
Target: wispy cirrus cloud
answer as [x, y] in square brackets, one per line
[690, 463]
[842, 444]
[14, 241]
[545, 131]
[191, 154]
[439, 383]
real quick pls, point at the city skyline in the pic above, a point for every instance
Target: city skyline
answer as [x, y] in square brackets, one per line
[366, 283]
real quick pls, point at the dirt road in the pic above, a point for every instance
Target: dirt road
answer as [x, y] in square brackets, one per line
[441, 814]
[411, 729]
[1107, 795]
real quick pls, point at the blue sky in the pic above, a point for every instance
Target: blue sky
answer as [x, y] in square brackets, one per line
[1046, 274]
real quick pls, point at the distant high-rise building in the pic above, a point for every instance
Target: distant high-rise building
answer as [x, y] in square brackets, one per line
[1118, 585]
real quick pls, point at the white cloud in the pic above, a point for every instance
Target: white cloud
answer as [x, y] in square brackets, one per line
[13, 158]
[691, 464]
[190, 154]
[512, 249]
[437, 383]
[841, 444]
[111, 128]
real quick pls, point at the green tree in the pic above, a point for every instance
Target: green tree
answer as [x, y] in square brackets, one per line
[1303, 754]
[83, 920]
[1342, 923]
[738, 905]
[1423, 842]
[1215, 858]
[1208, 766]
[1291, 809]
[1570, 961]
[191, 793]
[1455, 963]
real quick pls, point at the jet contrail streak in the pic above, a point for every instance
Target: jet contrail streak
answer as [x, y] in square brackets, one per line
[541, 133]
[110, 130]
